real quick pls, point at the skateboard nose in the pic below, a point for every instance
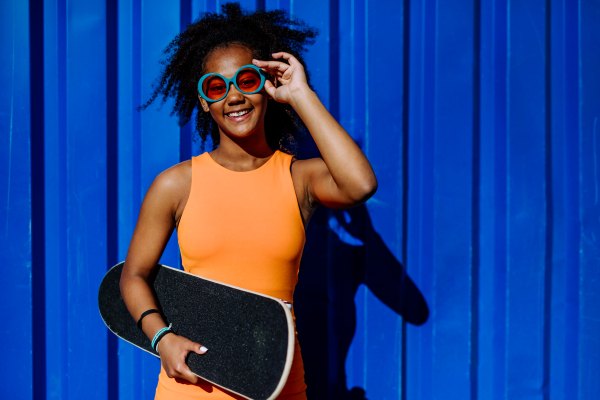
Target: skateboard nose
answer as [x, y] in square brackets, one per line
[287, 303]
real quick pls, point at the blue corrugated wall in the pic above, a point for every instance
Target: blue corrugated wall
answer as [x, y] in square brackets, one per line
[473, 273]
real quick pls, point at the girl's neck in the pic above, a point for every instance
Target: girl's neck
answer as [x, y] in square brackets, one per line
[242, 154]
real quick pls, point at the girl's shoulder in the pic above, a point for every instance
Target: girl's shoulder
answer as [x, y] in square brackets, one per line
[172, 187]
[176, 177]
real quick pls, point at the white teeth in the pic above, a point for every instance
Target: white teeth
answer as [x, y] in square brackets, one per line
[238, 114]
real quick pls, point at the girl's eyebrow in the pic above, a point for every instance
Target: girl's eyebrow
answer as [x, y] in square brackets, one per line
[212, 78]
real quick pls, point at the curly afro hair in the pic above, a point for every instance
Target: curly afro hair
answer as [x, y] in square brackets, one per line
[263, 33]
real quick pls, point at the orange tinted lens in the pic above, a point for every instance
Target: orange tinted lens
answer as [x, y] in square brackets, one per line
[214, 87]
[248, 80]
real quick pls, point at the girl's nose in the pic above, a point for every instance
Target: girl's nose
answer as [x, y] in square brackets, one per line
[234, 95]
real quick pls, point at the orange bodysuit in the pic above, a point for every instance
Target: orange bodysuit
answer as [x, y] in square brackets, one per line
[244, 229]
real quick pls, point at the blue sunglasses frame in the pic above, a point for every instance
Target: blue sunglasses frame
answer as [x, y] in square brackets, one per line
[233, 80]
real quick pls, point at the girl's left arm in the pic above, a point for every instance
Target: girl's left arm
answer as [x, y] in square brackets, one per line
[344, 177]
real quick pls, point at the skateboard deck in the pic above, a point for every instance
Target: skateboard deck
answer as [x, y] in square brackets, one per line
[249, 336]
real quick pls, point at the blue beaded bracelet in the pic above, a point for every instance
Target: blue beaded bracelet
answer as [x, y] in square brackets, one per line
[159, 335]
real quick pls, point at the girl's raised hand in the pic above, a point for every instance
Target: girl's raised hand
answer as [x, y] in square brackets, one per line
[291, 77]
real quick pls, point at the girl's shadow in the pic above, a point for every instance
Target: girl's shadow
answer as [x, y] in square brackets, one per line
[343, 251]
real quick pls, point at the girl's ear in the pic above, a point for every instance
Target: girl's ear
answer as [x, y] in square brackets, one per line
[203, 102]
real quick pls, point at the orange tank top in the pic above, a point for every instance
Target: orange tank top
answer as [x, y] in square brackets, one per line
[244, 229]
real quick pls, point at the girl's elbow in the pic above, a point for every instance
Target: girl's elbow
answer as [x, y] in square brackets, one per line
[365, 191]
[370, 188]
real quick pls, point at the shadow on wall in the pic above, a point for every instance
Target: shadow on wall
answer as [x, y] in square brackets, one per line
[342, 252]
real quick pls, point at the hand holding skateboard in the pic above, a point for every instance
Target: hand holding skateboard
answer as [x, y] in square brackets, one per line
[173, 351]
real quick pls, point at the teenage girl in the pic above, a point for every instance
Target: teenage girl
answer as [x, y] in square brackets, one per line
[241, 210]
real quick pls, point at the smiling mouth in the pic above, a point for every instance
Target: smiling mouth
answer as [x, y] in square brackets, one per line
[239, 113]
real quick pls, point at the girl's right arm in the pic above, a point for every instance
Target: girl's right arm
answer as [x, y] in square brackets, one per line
[162, 204]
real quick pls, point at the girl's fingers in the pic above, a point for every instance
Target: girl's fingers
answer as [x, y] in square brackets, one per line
[287, 56]
[274, 73]
[195, 347]
[184, 370]
[188, 375]
[287, 75]
[270, 89]
[272, 65]
[175, 354]
[199, 349]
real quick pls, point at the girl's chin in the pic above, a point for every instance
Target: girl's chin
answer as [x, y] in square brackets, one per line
[240, 133]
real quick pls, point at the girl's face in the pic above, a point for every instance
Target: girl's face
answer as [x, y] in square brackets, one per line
[238, 115]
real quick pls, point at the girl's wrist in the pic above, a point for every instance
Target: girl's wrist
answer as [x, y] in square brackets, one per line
[160, 334]
[167, 338]
[301, 95]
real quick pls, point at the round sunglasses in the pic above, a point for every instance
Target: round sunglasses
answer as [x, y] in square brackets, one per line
[214, 87]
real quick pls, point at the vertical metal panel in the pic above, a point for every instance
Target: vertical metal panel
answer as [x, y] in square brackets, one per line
[352, 117]
[526, 202]
[589, 200]
[317, 14]
[420, 205]
[278, 4]
[247, 4]
[129, 163]
[112, 176]
[564, 53]
[210, 5]
[37, 227]
[382, 141]
[452, 194]
[159, 131]
[85, 187]
[185, 132]
[440, 165]
[16, 296]
[75, 178]
[492, 205]
[197, 8]
[55, 198]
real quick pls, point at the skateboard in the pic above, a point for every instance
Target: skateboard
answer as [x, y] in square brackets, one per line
[249, 336]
